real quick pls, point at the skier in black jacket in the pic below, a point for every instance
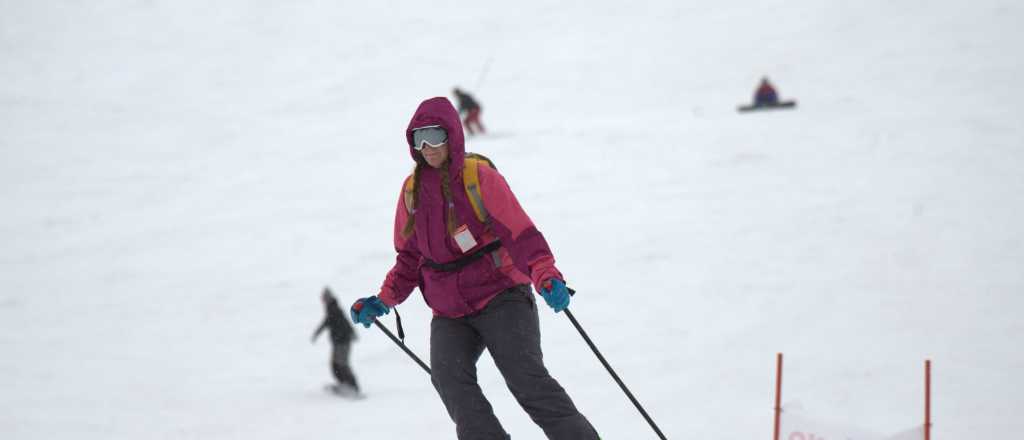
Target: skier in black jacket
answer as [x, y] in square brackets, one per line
[342, 336]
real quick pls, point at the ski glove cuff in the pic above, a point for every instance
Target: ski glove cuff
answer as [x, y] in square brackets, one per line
[366, 310]
[555, 294]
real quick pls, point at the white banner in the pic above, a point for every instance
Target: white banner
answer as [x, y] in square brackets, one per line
[796, 427]
[911, 434]
[800, 427]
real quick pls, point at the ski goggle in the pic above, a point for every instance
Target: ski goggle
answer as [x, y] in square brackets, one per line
[432, 136]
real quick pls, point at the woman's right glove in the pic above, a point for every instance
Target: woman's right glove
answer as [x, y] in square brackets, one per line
[366, 310]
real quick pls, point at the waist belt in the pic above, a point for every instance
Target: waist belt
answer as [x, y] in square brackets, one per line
[465, 260]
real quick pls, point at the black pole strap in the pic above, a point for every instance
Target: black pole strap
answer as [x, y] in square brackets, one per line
[401, 345]
[608, 367]
[398, 322]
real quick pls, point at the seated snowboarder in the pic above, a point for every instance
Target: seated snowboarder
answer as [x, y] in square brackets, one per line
[766, 94]
[470, 110]
[766, 98]
[342, 336]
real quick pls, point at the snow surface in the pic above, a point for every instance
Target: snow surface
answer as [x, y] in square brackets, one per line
[181, 178]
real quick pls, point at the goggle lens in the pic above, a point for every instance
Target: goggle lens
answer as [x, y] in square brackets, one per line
[432, 136]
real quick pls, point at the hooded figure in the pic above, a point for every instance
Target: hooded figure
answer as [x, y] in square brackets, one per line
[342, 335]
[475, 276]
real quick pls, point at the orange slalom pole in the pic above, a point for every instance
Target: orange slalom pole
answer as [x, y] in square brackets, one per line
[778, 393]
[927, 399]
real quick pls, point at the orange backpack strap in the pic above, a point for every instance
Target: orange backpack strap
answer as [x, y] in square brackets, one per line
[471, 180]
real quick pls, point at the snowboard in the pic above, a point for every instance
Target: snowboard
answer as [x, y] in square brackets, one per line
[780, 105]
[344, 391]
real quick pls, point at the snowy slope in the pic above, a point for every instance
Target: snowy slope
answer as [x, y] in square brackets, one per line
[180, 179]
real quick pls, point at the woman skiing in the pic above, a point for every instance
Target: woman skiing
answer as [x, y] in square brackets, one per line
[474, 261]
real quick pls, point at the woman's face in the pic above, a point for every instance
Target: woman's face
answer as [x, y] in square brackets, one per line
[435, 156]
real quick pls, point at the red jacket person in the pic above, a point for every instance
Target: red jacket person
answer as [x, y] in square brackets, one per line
[475, 275]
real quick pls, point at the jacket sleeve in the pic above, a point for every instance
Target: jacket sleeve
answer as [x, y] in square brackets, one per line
[525, 244]
[404, 276]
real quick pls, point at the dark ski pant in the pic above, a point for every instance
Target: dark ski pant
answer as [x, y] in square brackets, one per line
[340, 366]
[508, 328]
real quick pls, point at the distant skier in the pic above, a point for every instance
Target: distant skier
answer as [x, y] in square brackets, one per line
[470, 110]
[766, 98]
[465, 241]
[342, 335]
[766, 94]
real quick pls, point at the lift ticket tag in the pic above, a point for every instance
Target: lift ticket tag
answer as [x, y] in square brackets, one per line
[464, 238]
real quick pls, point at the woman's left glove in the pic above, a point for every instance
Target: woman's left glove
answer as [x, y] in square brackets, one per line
[555, 294]
[366, 310]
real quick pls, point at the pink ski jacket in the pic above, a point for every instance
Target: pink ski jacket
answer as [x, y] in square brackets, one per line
[524, 256]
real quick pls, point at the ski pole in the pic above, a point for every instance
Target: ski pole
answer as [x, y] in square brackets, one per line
[401, 345]
[483, 74]
[608, 367]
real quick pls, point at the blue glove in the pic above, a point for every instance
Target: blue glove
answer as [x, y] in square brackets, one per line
[555, 294]
[366, 310]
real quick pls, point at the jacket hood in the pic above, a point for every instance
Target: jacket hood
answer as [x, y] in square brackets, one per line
[439, 111]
